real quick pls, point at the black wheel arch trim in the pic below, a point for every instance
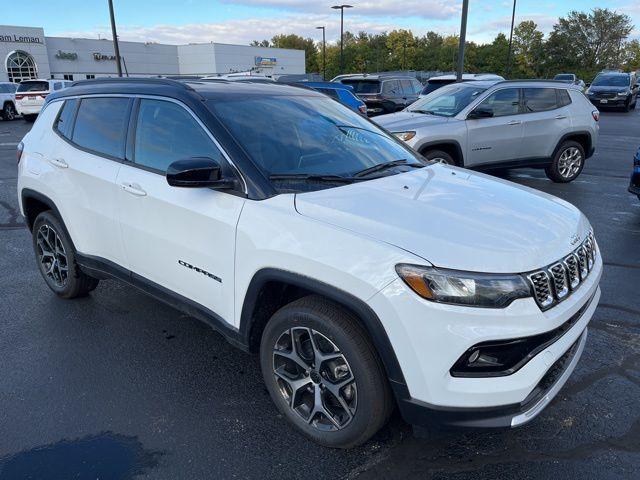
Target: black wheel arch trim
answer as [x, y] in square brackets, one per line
[369, 319]
[588, 152]
[26, 194]
[452, 143]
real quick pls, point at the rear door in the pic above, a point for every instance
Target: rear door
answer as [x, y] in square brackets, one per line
[182, 239]
[86, 158]
[499, 138]
[546, 119]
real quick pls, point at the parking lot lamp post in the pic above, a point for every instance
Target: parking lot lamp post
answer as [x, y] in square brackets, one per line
[341, 8]
[324, 52]
[513, 17]
[463, 39]
[115, 38]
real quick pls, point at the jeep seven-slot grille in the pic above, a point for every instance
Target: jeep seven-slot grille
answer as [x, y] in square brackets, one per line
[557, 281]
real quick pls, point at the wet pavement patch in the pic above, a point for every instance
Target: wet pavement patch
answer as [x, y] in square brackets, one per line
[106, 456]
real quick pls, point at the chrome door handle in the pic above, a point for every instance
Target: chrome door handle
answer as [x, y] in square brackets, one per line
[514, 122]
[133, 189]
[58, 162]
[560, 117]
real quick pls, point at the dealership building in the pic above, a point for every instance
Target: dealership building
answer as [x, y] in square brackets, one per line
[26, 53]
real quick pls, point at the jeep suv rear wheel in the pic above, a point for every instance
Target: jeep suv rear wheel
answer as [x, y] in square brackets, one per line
[567, 163]
[56, 259]
[323, 374]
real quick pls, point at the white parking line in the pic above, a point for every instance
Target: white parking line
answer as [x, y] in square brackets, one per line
[9, 144]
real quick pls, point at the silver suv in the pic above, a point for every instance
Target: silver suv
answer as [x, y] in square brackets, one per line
[502, 124]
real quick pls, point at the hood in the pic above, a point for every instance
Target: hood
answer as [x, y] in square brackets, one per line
[454, 218]
[406, 120]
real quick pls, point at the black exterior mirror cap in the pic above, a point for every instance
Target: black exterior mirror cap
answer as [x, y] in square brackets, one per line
[197, 172]
[481, 112]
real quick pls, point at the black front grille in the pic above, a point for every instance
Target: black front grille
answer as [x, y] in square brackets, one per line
[556, 282]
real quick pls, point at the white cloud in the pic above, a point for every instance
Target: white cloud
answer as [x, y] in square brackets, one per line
[429, 9]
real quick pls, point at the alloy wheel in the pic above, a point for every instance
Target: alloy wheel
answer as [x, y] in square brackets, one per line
[9, 113]
[52, 255]
[315, 379]
[570, 162]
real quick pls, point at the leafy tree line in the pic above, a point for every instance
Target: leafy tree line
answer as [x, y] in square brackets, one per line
[581, 43]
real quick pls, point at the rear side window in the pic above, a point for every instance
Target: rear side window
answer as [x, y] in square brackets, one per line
[166, 132]
[563, 98]
[331, 92]
[101, 125]
[391, 87]
[540, 99]
[363, 86]
[64, 124]
[33, 87]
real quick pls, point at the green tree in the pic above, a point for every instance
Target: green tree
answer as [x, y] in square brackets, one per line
[528, 50]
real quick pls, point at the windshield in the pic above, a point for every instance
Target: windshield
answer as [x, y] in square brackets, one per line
[564, 76]
[308, 135]
[33, 87]
[448, 100]
[363, 86]
[611, 81]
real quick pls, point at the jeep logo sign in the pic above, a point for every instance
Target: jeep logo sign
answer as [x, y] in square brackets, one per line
[66, 55]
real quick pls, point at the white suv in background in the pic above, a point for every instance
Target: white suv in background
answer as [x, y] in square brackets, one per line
[364, 277]
[31, 94]
[502, 124]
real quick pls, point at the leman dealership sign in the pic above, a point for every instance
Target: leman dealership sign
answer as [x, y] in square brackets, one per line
[20, 39]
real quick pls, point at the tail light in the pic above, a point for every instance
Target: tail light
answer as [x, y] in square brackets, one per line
[19, 97]
[363, 109]
[19, 151]
[596, 115]
[44, 95]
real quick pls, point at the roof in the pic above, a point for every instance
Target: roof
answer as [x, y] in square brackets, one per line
[364, 76]
[469, 76]
[176, 89]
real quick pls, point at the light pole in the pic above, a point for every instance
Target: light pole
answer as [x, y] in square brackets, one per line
[463, 38]
[513, 18]
[324, 52]
[115, 38]
[341, 8]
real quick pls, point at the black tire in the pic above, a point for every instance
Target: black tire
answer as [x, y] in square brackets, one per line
[439, 156]
[8, 112]
[633, 105]
[55, 253]
[558, 170]
[627, 106]
[30, 118]
[334, 329]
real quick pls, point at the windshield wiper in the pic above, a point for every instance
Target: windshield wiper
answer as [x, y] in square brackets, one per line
[385, 166]
[312, 177]
[427, 112]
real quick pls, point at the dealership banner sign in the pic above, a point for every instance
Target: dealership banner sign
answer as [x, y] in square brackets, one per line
[265, 61]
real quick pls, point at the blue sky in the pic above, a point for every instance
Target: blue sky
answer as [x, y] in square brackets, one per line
[240, 21]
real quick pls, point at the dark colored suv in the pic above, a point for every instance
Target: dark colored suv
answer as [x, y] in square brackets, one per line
[634, 185]
[614, 89]
[384, 94]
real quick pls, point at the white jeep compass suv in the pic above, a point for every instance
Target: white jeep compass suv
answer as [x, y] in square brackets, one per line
[364, 277]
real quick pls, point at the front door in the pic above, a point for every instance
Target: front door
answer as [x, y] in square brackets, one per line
[182, 239]
[498, 138]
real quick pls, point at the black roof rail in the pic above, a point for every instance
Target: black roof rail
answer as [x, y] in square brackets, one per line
[532, 80]
[152, 80]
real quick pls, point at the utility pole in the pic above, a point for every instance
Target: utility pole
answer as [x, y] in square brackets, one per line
[513, 18]
[115, 38]
[463, 39]
[324, 52]
[341, 8]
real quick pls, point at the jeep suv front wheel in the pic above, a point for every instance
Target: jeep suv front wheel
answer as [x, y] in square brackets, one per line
[56, 258]
[567, 163]
[323, 373]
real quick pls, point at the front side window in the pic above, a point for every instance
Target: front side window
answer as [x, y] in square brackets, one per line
[101, 125]
[504, 102]
[306, 135]
[447, 101]
[64, 124]
[407, 87]
[391, 87]
[540, 99]
[166, 132]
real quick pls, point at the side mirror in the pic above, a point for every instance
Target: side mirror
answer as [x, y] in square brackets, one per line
[587, 85]
[481, 112]
[197, 172]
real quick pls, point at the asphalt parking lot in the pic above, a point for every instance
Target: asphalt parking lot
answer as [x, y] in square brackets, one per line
[117, 385]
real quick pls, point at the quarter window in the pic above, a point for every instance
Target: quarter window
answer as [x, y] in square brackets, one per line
[503, 102]
[540, 99]
[101, 125]
[64, 124]
[166, 132]
[563, 98]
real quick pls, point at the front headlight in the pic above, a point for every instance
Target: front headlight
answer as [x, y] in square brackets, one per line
[464, 288]
[405, 136]
[623, 94]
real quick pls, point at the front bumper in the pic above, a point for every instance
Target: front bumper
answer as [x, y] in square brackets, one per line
[429, 338]
[609, 102]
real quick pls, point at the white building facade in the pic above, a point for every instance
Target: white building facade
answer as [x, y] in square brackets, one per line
[26, 53]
